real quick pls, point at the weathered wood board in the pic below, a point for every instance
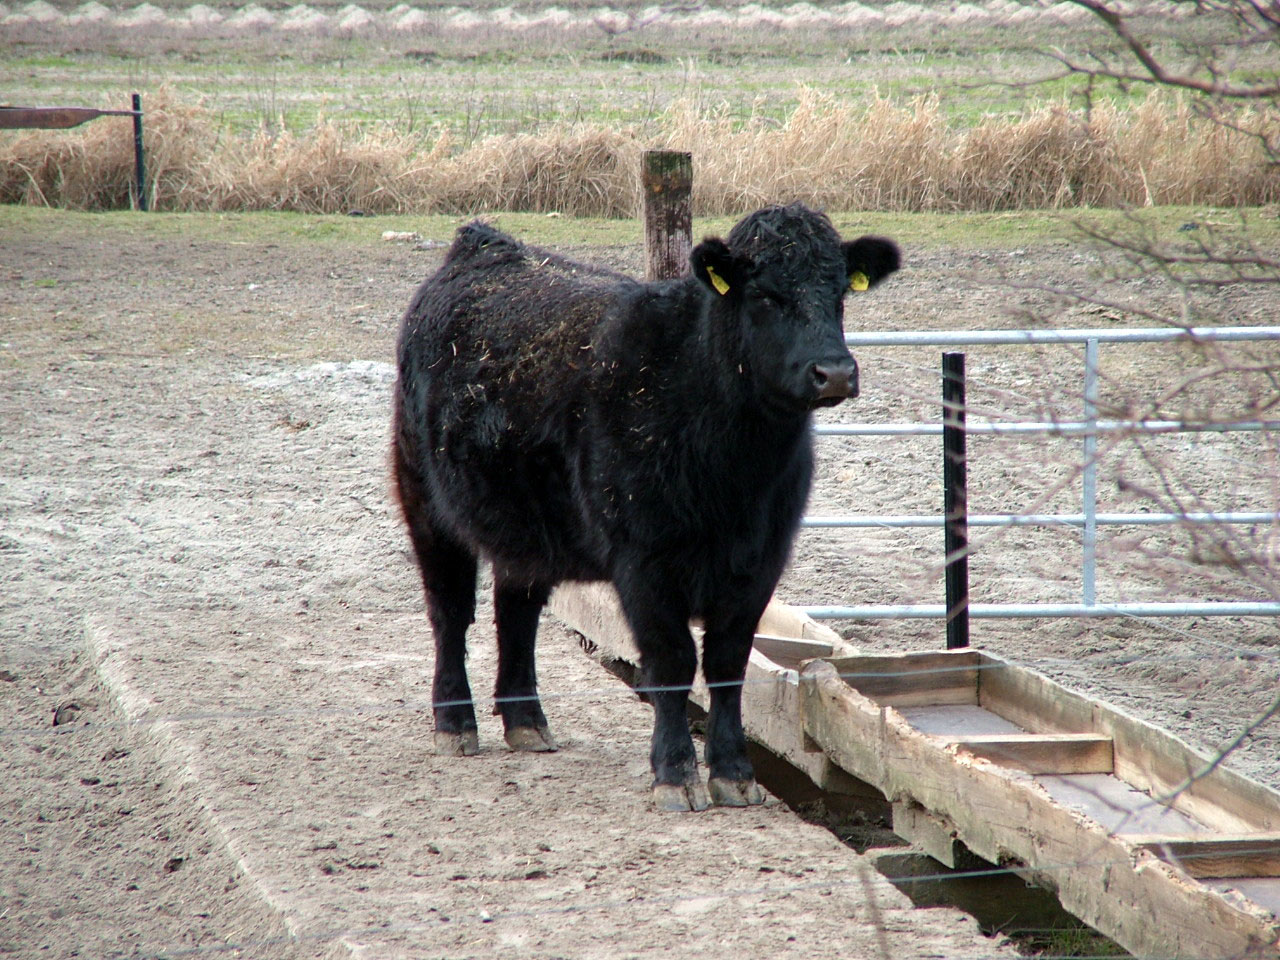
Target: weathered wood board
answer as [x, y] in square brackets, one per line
[1138, 834]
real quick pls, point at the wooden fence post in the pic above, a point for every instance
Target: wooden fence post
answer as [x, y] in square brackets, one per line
[667, 182]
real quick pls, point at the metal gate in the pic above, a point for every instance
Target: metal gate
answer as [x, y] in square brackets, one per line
[1088, 430]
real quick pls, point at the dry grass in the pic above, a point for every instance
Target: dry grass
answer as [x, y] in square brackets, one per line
[877, 156]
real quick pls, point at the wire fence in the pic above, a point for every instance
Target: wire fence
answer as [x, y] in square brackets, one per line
[1229, 653]
[778, 890]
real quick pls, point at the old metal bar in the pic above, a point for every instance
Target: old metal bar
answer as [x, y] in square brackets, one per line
[52, 118]
[963, 338]
[139, 169]
[955, 497]
[1089, 478]
[1062, 428]
[998, 611]
[872, 521]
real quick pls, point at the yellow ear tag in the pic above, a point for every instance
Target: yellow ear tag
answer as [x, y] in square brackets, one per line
[859, 281]
[718, 282]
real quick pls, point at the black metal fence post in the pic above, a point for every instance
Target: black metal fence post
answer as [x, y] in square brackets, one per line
[139, 169]
[955, 500]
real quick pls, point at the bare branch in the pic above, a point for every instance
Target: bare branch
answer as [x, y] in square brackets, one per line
[1156, 71]
[1221, 756]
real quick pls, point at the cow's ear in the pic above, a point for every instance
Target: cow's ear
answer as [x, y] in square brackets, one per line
[716, 266]
[870, 260]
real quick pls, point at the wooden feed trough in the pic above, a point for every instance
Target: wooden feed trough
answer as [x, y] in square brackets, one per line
[1140, 836]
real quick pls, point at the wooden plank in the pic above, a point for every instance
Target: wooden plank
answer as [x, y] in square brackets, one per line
[594, 611]
[928, 832]
[771, 716]
[53, 118]
[1032, 701]
[1009, 817]
[843, 724]
[1118, 807]
[790, 651]
[1152, 760]
[1264, 891]
[1163, 765]
[1039, 753]
[926, 696]
[955, 719]
[783, 620]
[1221, 856]
[910, 680]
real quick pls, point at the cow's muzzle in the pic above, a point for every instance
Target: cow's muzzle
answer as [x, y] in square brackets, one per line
[834, 380]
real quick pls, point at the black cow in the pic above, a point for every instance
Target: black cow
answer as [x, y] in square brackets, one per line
[566, 422]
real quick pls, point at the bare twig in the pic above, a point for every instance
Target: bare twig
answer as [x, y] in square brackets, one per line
[1157, 72]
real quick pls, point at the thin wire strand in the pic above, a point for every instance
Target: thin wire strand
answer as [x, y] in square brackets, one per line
[860, 867]
[621, 689]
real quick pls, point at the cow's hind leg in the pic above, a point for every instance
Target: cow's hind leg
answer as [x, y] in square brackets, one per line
[725, 650]
[449, 578]
[516, 610]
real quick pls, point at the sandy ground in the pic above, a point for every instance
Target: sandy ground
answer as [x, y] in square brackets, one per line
[202, 567]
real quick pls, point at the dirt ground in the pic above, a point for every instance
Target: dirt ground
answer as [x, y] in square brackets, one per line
[195, 497]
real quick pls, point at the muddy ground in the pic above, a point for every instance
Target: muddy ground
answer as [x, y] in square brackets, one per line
[200, 448]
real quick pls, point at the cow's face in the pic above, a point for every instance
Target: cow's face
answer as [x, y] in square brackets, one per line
[783, 276]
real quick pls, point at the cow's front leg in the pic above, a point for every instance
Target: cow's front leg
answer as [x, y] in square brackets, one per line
[666, 675]
[725, 649]
[668, 662]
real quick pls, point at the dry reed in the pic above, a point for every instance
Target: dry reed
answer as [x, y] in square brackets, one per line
[876, 156]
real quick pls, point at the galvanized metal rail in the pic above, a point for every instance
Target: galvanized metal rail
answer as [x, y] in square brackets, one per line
[1088, 429]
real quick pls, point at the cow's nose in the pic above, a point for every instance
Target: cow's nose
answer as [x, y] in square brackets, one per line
[835, 380]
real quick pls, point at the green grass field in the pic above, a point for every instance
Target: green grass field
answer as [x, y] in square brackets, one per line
[493, 80]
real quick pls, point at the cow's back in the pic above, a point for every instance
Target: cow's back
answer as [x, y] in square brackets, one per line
[493, 355]
[499, 312]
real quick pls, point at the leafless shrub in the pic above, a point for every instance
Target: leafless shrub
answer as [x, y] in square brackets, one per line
[1226, 84]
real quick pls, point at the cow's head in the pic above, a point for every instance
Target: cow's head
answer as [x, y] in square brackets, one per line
[782, 278]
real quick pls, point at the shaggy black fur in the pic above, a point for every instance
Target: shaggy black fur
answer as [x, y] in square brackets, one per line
[567, 422]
